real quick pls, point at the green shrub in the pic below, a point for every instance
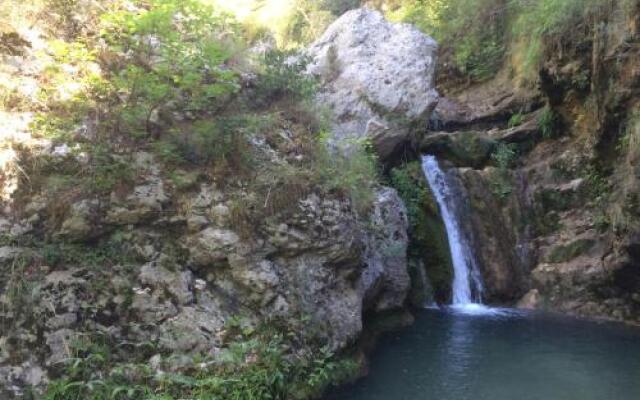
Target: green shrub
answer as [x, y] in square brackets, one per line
[505, 155]
[570, 251]
[179, 65]
[543, 21]
[283, 76]
[107, 252]
[548, 123]
[596, 185]
[108, 171]
[350, 168]
[414, 194]
[98, 371]
[515, 120]
[472, 32]
[555, 200]
[477, 35]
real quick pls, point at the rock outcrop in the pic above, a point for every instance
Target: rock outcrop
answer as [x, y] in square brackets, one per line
[319, 262]
[555, 227]
[377, 78]
[150, 261]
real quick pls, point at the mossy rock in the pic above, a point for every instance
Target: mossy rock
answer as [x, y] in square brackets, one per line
[428, 244]
[564, 253]
[464, 149]
[555, 200]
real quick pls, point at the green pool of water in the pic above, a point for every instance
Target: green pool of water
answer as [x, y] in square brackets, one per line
[453, 355]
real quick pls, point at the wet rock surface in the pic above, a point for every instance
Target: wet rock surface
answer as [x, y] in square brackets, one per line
[545, 222]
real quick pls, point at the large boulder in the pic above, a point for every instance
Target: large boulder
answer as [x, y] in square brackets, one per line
[377, 78]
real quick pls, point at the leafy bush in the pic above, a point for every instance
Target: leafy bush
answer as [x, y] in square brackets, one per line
[537, 24]
[255, 364]
[307, 20]
[471, 32]
[283, 77]
[515, 120]
[350, 168]
[477, 35]
[339, 7]
[108, 171]
[548, 123]
[181, 50]
[414, 194]
[504, 155]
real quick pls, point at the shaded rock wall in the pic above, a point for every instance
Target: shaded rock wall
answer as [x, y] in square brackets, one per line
[565, 230]
[182, 272]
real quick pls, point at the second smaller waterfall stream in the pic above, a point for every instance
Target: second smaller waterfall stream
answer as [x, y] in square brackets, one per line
[467, 285]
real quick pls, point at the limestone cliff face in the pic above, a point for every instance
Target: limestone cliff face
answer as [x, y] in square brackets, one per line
[556, 229]
[188, 270]
[170, 260]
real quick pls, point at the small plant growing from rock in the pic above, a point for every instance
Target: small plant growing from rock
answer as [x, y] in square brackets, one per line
[515, 120]
[504, 157]
[548, 123]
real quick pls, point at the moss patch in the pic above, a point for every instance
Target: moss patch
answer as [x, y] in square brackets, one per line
[570, 251]
[555, 200]
[463, 149]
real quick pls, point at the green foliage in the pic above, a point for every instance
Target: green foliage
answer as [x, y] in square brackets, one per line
[504, 157]
[548, 123]
[111, 251]
[20, 290]
[596, 185]
[570, 251]
[428, 240]
[554, 200]
[515, 120]
[56, 127]
[307, 20]
[181, 49]
[86, 376]
[479, 63]
[350, 168]
[551, 20]
[108, 171]
[414, 194]
[256, 364]
[624, 203]
[220, 139]
[339, 7]
[477, 35]
[471, 31]
[283, 77]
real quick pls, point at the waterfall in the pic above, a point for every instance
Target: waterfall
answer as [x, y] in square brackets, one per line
[467, 285]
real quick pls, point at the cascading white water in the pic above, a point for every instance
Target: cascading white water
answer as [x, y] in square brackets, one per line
[467, 285]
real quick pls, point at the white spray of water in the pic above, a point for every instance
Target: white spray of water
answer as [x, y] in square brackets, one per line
[467, 285]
